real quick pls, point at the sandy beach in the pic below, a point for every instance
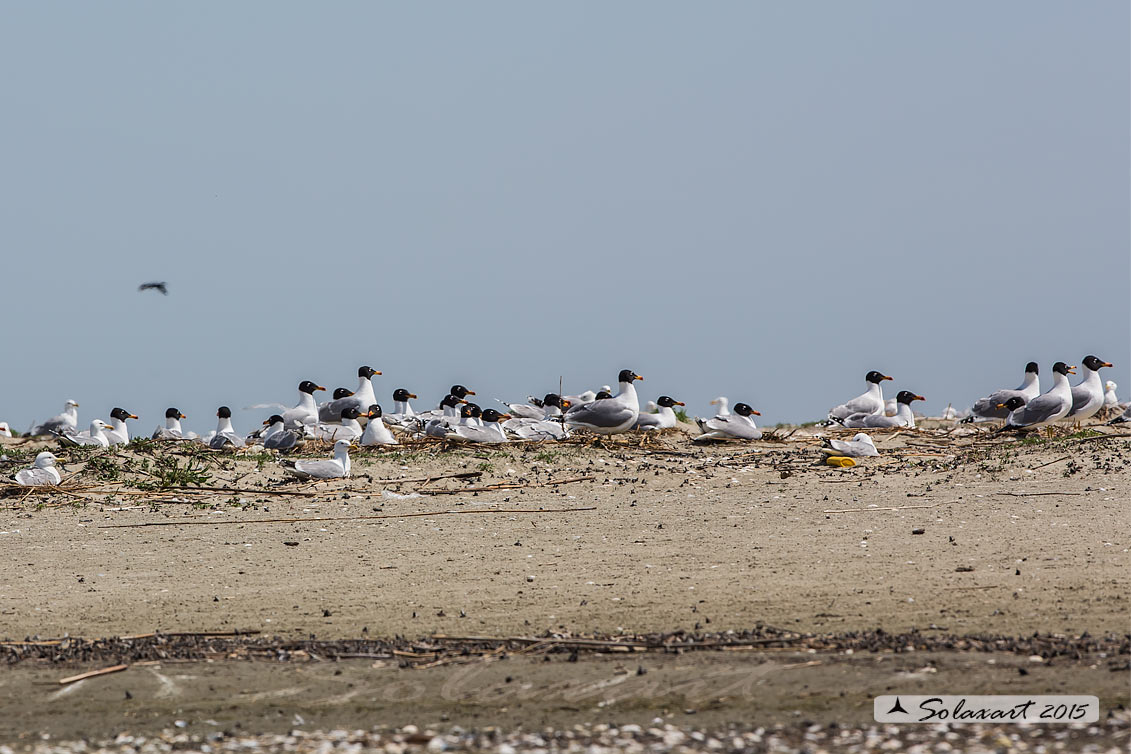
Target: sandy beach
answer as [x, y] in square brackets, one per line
[949, 541]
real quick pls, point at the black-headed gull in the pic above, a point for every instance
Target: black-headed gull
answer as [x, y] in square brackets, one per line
[608, 416]
[871, 401]
[738, 425]
[989, 407]
[1047, 408]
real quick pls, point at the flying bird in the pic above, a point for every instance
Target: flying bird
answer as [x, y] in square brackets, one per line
[155, 287]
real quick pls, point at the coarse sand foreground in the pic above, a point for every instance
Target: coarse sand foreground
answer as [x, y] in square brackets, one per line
[986, 536]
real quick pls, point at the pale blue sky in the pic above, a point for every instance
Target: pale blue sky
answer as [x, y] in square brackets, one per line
[753, 199]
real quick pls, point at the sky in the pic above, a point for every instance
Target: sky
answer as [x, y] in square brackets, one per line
[751, 199]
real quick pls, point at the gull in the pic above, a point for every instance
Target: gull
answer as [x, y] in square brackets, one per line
[1088, 396]
[95, 436]
[225, 435]
[870, 401]
[736, 426]
[534, 408]
[548, 427]
[490, 431]
[119, 433]
[306, 410]
[608, 416]
[665, 419]
[1124, 417]
[5, 430]
[588, 396]
[278, 437]
[989, 407]
[721, 402]
[361, 399]
[162, 287]
[903, 417]
[1047, 408]
[349, 429]
[68, 420]
[439, 421]
[172, 429]
[860, 445]
[376, 433]
[1110, 398]
[334, 468]
[42, 474]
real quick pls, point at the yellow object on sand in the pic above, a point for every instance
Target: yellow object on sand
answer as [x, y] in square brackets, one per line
[843, 462]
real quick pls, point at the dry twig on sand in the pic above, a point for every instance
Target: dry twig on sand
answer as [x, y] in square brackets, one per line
[346, 518]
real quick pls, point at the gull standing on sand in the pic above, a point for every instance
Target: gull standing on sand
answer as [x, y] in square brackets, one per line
[732, 426]
[859, 446]
[42, 474]
[361, 398]
[664, 419]
[609, 416]
[335, 468]
[94, 437]
[119, 433]
[60, 423]
[871, 401]
[225, 435]
[989, 407]
[904, 416]
[172, 429]
[1110, 398]
[1088, 396]
[1047, 408]
[376, 433]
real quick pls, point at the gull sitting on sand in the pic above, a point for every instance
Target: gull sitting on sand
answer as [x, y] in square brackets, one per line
[376, 433]
[609, 416]
[871, 401]
[278, 437]
[859, 446]
[172, 429]
[663, 419]
[904, 417]
[736, 426]
[42, 474]
[225, 435]
[119, 433]
[94, 437]
[337, 467]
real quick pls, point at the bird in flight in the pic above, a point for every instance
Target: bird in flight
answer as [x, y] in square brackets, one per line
[154, 287]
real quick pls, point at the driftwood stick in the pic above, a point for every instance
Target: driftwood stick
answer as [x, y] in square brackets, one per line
[1035, 494]
[343, 518]
[1050, 463]
[92, 674]
[507, 486]
[428, 479]
[889, 508]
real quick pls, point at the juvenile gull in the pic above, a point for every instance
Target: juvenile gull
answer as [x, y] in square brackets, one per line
[988, 407]
[871, 401]
[608, 416]
[42, 474]
[732, 426]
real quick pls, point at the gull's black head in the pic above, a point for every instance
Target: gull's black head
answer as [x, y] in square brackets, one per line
[876, 377]
[668, 402]
[306, 386]
[342, 392]
[465, 411]
[491, 415]
[1032, 367]
[627, 375]
[366, 372]
[1061, 368]
[906, 396]
[602, 395]
[460, 391]
[451, 401]
[121, 414]
[1013, 403]
[550, 399]
[173, 413]
[375, 411]
[224, 412]
[475, 407]
[350, 413]
[274, 418]
[743, 409]
[402, 395]
[1095, 364]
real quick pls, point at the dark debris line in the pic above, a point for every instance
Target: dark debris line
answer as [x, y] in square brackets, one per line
[436, 649]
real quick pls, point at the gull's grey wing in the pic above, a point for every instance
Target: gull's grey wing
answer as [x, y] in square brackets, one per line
[987, 407]
[331, 411]
[1039, 410]
[605, 413]
[319, 469]
[35, 477]
[1081, 397]
[285, 440]
[861, 404]
[224, 439]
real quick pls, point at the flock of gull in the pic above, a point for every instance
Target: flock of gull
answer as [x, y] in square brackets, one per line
[354, 417]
